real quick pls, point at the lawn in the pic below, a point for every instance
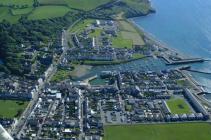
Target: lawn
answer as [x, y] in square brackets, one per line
[96, 33]
[185, 131]
[11, 108]
[86, 4]
[47, 12]
[137, 56]
[178, 106]
[61, 75]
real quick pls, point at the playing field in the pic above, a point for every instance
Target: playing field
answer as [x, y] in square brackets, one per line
[185, 131]
[11, 108]
[178, 106]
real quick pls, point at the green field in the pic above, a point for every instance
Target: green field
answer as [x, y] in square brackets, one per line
[96, 33]
[120, 42]
[46, 12]
[178, 106]
[17, 2]
[52, 2]
[81, 25]
[127, 37]
[5, 15]
[11, 108]
[61, 75]
[86, 4]
[21, 11]
[129, 32]
[185, 131]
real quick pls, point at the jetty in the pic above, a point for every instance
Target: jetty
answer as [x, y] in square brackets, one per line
[182, 61]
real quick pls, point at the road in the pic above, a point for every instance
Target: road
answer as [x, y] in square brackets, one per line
[18, 129]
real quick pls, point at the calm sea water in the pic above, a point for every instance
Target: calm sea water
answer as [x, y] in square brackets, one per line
[184, 25]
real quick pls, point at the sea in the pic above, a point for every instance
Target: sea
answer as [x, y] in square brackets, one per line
[185, 26]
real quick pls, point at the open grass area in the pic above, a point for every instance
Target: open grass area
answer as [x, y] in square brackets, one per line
[86, 4]
[11, 108]
[6, 15]
[178, 106]
[139, 5]
[52, 2]
[81, 25]
[47, 12]
[60, 75]
[21, 11]
[17, 2]
[120, 42]
[134, 36]
[96, 33]
[183, 131]
[129, 32]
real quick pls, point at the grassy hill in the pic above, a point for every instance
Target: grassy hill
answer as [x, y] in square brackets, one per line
[12, 10]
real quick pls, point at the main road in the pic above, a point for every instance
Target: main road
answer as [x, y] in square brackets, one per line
[20, 125]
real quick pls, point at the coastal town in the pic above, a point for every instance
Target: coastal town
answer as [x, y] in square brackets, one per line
[56, 106]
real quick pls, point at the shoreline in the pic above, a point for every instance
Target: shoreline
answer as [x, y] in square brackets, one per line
[161, 44]
[155, 40]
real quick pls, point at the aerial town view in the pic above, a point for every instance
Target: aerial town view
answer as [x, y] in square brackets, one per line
[105, 70]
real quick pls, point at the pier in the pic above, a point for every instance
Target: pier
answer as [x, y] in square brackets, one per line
[182, 61]
[186, 61]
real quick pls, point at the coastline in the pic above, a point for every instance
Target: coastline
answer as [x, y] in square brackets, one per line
[156, 41]
[161, 44]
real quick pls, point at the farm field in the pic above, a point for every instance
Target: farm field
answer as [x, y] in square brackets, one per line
[182, 131]
[5, 14]
[17, 2]
[12, 10]
[46, 12]
[81, 25]
[52, 2]
[178, 106]
[21, 11]
[11, 108]
[86, 4]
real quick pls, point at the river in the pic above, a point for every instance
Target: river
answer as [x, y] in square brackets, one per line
[185, 26]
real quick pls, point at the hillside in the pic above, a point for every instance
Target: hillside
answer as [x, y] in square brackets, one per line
[12, 10]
